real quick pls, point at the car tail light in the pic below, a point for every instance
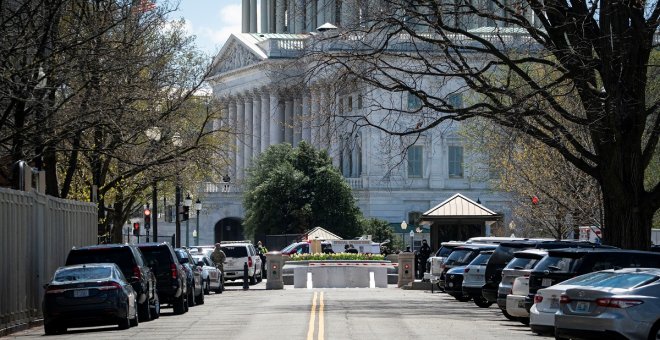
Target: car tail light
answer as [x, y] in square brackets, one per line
[109, 286]
[466, 270]
[564, 299]
[618, 303]
[249, 261]
[137, 273]
[538, 298]
[175, 273]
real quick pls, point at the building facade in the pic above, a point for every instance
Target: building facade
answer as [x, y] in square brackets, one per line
[269, 98]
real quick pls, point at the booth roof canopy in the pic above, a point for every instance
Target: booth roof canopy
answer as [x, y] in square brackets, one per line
[458, 206]
[321, 234]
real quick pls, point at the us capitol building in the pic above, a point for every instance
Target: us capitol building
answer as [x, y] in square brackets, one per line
[393, 178]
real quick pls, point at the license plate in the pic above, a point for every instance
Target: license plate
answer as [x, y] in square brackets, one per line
[582, 307]
[546, 282]
[81, 293]
[554, 303]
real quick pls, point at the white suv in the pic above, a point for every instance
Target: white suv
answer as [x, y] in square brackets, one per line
[238, 254]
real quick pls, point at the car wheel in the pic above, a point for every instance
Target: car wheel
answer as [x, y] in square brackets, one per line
[155, 308]
[186, 305]
[191, 296]
[508, 316]
[125, 322]
[655, 331]
[207, 287]
[144, 311]
[481, 302]
[462, 298]
[199, 299]
[134, 321]
[180, 305]
[221, 287]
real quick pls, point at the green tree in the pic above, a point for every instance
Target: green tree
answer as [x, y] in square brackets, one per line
[291, 190]
[381, 231]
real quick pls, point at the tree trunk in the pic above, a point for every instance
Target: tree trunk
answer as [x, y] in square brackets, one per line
[627, 224]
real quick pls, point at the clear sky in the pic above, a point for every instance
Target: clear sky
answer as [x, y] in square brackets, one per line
[210, 21]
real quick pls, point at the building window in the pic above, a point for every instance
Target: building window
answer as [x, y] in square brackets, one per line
[350, 104]
[415, 161]
[359, 101]
[414, 102]
[455, 100]
[413, 218]
[341, 105]
[455, 161]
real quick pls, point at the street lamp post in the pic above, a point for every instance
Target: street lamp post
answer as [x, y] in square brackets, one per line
[187, 203]
[404, 225]
[177, 142]
[198, 208]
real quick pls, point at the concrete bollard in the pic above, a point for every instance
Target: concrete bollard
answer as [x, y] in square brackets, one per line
[406, 269]
[274, 264]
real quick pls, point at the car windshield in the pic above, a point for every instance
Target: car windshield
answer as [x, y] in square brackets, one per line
[522, 263]
[288, 248]
[82, 274]
[158, 258]
[460, 256]
[444, 251]
[612, 280]
[480, 260]
[558, 264]
[238, 251]
[503, 254]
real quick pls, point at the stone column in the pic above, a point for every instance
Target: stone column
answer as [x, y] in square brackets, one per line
[290, 16]
[265, 121]
[232, 128]
[279, 16]
[240, 119]
[288, 120]
[306, 117]
[247, 134]
[264, 15]
[245, 11]
[276, 128]
[256, 124]
[299, 16]
[315, 117]
[296, 121]
[253, 16]
[324, 121]
[271, 15]
[310, 16]
[320, 13]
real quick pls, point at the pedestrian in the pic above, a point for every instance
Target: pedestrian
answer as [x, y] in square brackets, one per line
[218, 256]
[424, 254]
[261, 250]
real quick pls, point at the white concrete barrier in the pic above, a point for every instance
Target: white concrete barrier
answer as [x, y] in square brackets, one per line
[340, 276]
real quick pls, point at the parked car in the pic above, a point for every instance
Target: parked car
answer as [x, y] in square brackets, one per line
[462, 256]
[212, 277]
[93, 294]
[238, 254]
[132, 264]
[521, 265]
[563, 264]
[454, 283]
[170, 275]
[474, 278]
[503, 254]
[434, 263]
[623, 304]
[193, 275]
[515, 302]
[296, 248]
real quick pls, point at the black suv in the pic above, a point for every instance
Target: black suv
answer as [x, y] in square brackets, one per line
[563, 264]
[194, 274]
[134, 267]
[170, 275]
[504, 253]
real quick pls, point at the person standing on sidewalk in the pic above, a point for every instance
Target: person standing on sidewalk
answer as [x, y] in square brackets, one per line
[218, 256]
[261, 250]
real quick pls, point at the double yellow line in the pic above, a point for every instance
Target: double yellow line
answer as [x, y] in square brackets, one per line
[312, 318]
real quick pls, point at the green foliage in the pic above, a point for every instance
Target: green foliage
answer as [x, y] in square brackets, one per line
[379, 230]
[291, 190]
[338, 256]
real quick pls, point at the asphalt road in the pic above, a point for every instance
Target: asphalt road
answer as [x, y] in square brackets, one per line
[316, 314]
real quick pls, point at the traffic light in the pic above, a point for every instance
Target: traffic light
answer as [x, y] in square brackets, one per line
[147, 218]
[186, 213]
[136, 229]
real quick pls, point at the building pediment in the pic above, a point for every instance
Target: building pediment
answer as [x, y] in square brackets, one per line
[236, 54]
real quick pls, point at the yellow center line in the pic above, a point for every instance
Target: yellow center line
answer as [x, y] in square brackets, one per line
[312, 319]
[321, 319]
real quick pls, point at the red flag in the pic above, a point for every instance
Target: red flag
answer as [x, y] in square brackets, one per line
[145, 6]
